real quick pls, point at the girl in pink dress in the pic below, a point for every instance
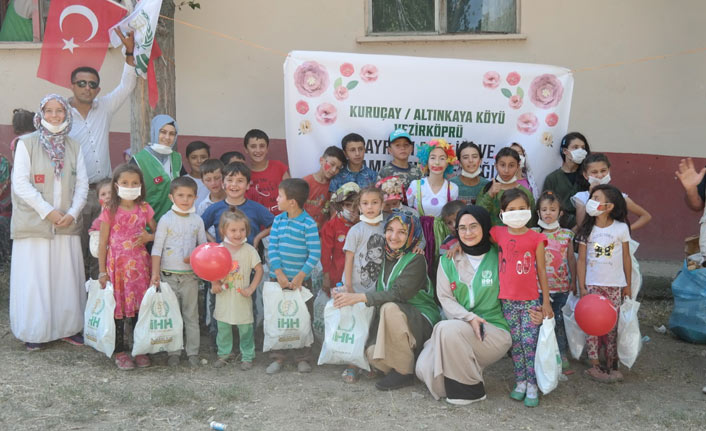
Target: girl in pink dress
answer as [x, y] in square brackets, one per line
[122, 256]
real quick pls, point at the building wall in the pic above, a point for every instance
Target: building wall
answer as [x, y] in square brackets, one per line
[646, 114]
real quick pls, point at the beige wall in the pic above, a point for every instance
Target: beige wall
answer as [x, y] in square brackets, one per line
[225, 87]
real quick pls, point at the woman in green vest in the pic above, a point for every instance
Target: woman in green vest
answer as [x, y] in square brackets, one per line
[160, 163]
[405, 300]
[476, 334]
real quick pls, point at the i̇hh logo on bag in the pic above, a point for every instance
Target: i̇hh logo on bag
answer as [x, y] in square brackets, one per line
[96, 311]
[345, 335]
[160, 313]
[287, 308]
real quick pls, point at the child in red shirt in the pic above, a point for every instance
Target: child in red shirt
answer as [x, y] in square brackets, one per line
[333, 234]
[265, 174]
[317, 204]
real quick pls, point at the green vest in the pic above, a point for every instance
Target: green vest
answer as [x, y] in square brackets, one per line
[157, 181]
[482, 296]
[423, 300]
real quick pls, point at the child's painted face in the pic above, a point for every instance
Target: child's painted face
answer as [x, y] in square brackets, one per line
[183, 197]
[389, 205]
[167, 135]
[196, 158]
[257, 149]
[283, 202]
[507, 167]
[396, 234]
[597, 170]
[400, 149]
[549, 211]
[470, 232]
[470, 159]
[370, 205]
[516, 205]
[450, 222]
[104, 194]
[331, 166]
[236, 185]
[355, 152]
[437, 161]
[235, 231]
[213, 181]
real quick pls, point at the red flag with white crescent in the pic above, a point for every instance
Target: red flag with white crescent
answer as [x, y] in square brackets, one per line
[75, 35]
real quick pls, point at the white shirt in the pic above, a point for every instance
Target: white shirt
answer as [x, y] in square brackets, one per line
[431, 203]
[175, 238]
[202, 191]
[24, 189]
[92, 132]
[604, 255]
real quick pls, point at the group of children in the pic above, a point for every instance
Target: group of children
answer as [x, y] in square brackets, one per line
[335, 216]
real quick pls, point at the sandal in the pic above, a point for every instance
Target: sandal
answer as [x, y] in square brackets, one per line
[124, 362]
[595, 373]
[350, 375]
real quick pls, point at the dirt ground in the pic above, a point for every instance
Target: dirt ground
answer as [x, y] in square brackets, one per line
[74, 388]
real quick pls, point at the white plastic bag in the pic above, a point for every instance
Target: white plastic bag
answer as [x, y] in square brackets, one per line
[93, 242]
[575, 337]
[287, 320]
[629, 337]
[346, 333]
[636, 279]
[98, 322]
[159, 325]
[547, 359]
[318, 322]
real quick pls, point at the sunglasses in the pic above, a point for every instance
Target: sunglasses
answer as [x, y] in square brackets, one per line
[82, 83]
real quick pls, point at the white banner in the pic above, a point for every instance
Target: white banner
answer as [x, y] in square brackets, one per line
[330, 94]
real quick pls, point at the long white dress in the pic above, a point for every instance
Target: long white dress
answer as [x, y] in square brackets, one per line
[47, 295]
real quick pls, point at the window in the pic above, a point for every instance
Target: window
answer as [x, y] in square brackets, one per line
[24, 22]
[438, 17]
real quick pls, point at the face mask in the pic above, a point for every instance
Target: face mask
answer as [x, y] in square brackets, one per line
[52, 128]
[578, 155]
[501, 181]
[191, 210]
[551, 226]
[516, 219]
[522, 161]
[347, 214]
[373, 220]
[227, 241]
[593, 181]
[592, 208]
[161, 149]
[129, 193]
[472, 174]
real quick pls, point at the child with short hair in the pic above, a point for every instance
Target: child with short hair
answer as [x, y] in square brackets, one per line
[234, 293]
[265, 174]
[560, 263]
[232, 156]
[179, 231]
[212, 177]
[605, 268]
[470, 182]
[333, 233]
[353, 145]
[198, 152]
[400, 147]
[294, 251]
[330, 163]
[448, 216]
[521, 262]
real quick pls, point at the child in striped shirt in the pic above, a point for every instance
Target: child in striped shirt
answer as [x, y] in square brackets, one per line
[293, 253]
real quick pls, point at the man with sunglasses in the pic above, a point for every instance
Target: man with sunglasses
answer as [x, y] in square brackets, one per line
[91, 128]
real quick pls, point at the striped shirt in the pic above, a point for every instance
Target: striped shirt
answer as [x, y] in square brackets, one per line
[294, 245]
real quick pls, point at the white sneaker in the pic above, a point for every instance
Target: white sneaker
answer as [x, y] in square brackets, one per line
[273, 368]
[462, 402]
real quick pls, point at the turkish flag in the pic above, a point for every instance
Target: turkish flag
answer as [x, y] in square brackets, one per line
[75, 35]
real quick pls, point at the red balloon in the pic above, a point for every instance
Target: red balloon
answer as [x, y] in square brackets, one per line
[595, 315]
[211, 261]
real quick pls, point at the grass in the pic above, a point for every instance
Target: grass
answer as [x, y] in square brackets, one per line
[233, 393]
[172, 395]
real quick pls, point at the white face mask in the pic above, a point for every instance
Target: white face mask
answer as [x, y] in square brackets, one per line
[593, 181]
[129, 193]
[516, 219]
[501, 181]
[548, 226]
[374, 220]
[522, 161]
[471, 174]
[227, 241]
[578, 155]
[52, 128]
[161, 149]
[191, 210]
[592, 208]
[347, 214]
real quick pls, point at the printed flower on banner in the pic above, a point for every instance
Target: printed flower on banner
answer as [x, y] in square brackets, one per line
[551, 119]
[527, 123]
[311, 79]
[304, 127]
[341, 93]
[326, 114]
[369, 73]
[513, 78]
[515, 102]
[346, 69]
[491, 80]
[302, 107]
[546, 91]
[547, 139]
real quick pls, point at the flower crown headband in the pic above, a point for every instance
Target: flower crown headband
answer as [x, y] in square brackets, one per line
[425, 149]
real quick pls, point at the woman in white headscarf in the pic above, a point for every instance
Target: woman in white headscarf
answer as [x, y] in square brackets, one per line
[49, 187]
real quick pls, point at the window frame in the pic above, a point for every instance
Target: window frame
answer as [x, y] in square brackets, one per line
[37, 31]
